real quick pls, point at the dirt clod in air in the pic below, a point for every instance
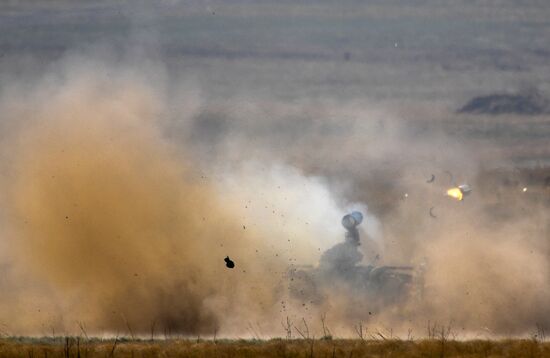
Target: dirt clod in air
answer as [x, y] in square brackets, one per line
[228, 263]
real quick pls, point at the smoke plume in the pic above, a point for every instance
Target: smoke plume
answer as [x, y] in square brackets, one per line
[122, 192]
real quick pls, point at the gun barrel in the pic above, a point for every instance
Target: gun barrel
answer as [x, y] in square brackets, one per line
[350, 221]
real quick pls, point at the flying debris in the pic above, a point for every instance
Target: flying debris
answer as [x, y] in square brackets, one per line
[431, 180]
[459, 192]
[431, 213]
[228, 263]
[455, 193]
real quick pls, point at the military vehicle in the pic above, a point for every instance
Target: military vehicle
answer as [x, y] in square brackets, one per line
[340, 270]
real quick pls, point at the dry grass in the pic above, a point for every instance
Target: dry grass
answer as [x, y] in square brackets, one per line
[72, 347]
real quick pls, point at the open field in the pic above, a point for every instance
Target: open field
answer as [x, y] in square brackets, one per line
[73, 347]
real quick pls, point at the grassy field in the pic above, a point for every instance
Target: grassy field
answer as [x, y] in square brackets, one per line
[78, 347]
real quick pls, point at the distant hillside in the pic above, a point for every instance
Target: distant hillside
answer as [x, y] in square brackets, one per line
[530, 103]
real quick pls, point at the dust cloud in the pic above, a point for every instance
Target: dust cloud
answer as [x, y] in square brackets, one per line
[120, 203]
[125, 231]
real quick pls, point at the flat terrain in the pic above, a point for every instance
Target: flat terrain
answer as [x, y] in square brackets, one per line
[73, 347]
